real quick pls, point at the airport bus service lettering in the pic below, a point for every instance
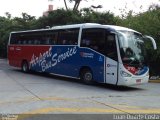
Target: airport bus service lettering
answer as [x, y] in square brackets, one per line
[55, 58]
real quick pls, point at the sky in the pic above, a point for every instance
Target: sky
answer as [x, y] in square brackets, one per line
[37, 7]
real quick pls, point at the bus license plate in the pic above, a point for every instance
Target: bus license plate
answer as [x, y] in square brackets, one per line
[138, 81]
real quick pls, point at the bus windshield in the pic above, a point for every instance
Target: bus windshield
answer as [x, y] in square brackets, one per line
[132, 48]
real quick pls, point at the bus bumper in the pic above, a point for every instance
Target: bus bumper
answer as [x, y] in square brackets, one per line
[129, 81]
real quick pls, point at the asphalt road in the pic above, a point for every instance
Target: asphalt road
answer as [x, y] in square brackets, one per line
[36, 93]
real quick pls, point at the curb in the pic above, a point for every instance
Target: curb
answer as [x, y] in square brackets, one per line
[154, 81]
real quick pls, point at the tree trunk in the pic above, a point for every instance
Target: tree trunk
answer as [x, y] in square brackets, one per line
[76, 5]
[65, 4]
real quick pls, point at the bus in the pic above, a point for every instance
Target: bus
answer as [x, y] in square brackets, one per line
[90, 51]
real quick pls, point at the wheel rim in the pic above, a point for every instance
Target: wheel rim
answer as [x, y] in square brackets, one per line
[24, 67]
[88, 76]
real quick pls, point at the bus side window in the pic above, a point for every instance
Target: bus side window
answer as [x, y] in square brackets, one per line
[30, 42]
[68, 36]
[19, 42]
[24, 42]
[93, 38]
[53, 39]
[15, 39]
[111, 49]
[47, 40]
[86, 42]
[36, 41]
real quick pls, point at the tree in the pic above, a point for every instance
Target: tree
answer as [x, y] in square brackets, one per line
[63, 17]
[76, 4]
[89, 15]
[59, 17]
[9, 24]
[25, 22]
[147, 23]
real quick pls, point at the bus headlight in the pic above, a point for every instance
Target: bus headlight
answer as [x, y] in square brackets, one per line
[125, 74]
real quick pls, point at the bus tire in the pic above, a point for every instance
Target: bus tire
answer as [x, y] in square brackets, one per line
[87, 76]
[25, 67]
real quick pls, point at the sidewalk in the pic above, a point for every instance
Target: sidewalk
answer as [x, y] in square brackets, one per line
[154, 81]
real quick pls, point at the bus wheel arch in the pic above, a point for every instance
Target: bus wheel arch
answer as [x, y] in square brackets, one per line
[86, 75]
[25, 66]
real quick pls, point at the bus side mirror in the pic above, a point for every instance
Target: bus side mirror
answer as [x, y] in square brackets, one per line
[152, 40]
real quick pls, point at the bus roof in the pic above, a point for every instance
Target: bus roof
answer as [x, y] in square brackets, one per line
[84, 25]
[76, 25]
[120, 28]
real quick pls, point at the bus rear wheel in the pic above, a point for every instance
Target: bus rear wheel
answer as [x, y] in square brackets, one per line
[25, 67]
[87, 76]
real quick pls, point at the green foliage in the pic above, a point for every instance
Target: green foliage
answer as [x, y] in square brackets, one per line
[89, 15]
[59, 17]
[9, 24]
[147, 23]
[63, 17]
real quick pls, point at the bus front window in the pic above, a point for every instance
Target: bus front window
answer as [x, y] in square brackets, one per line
[132, 49]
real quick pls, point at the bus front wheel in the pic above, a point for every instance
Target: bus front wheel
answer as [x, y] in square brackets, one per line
[25, 67]
[87, 76]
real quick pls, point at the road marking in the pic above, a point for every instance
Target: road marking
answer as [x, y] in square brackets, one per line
[67, 110]
[142, 111]
[113, 108]
[45, 99]
[32, 99]
[50, 110]
[73, 110]
[92, 110]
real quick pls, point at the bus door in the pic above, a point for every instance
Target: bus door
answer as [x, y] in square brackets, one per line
[18, 54]
[111, 58]
[14, 53]
[11, 55]
[14, 49]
